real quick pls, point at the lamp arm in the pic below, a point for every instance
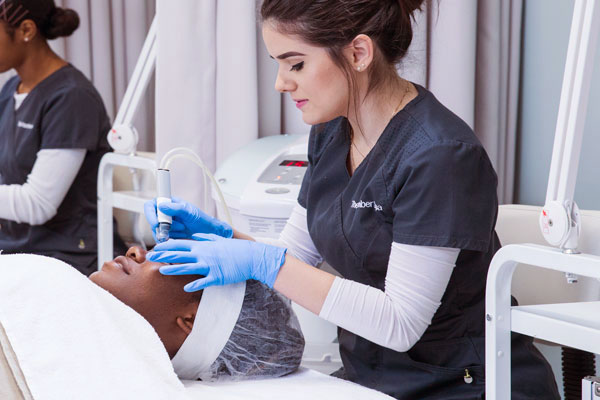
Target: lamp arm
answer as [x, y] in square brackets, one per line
[559, 220]
[122, 136]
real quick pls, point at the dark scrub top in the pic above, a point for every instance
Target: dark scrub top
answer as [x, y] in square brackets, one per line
[64, 111]
[427, 181]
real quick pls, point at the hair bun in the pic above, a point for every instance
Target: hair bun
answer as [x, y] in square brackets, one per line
[61, 22]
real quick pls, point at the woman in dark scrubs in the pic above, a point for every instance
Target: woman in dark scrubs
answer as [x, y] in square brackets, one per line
[399, 197]
[52, 135]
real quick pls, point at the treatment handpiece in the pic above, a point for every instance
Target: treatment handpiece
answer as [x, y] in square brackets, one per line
[163, 187]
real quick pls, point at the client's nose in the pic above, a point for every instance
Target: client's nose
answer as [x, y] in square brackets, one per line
[137, 254]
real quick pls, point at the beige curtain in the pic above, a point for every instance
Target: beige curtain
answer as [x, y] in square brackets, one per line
[451, 55]
[467, 52]
[499, 32]
[472, 67]
[215, 86]
[186, 85]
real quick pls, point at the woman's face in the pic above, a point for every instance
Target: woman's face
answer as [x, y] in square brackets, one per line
[160, 299]
[139, 283]
[309, 75]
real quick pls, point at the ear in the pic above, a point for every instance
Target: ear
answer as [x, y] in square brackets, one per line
[360, 52]
[26, 31]
[186, 322]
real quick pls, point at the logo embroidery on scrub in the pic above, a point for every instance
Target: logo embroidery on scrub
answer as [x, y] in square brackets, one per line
[24, 125]
[366, 204]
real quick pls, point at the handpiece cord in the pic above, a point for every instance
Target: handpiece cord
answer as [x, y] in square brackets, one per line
[182, 152]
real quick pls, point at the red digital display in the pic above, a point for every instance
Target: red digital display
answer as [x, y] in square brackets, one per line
[294, 163]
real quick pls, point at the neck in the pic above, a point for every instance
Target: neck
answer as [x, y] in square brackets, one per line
[38, 64]
[375, 111]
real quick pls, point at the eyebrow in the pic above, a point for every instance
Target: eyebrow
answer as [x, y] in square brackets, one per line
[288, 54]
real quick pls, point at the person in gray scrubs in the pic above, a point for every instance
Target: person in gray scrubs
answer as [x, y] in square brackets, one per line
[399, 197]
[52, 136]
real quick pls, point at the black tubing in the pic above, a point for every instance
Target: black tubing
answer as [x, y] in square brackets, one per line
[576, 364]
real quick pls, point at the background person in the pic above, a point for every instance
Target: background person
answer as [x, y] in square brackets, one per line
[52, 136]
[399, 197]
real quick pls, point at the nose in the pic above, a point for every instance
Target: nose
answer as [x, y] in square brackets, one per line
[284, 85]
[137, 254]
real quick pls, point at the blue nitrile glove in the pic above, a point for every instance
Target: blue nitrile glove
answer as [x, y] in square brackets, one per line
[187, 220]
[222, 261]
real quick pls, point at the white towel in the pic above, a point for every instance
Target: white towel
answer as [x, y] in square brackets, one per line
[74, 340]
[301, 385]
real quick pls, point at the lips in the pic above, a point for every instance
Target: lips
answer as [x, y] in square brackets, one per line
[301, 103]
[122, 262]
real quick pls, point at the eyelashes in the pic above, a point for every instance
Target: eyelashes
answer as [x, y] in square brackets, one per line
[297, 67]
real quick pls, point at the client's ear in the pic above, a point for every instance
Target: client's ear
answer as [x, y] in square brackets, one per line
[186, 322]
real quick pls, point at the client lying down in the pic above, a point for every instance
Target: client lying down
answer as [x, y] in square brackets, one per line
[84, 340]
[256, 336]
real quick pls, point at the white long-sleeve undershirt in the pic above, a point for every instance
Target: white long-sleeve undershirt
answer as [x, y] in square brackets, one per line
[296, 239]
[416, 279]
[19, 99]
[37, 200]
[397, 317]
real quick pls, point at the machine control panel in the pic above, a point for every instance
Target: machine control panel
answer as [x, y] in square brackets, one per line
[288, 169]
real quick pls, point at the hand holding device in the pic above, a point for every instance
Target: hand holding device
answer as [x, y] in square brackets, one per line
[187, 219]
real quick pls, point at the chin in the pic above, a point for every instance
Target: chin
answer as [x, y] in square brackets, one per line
[94, 276]
[312, 119]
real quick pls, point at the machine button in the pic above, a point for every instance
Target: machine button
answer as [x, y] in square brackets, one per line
[277, 190]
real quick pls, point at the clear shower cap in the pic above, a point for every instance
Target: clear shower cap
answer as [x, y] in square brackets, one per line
[264, 341]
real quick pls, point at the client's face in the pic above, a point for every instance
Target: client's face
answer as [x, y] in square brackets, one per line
[160, 299]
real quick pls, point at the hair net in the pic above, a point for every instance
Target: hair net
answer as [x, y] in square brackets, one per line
[241, 331]
[266, 340]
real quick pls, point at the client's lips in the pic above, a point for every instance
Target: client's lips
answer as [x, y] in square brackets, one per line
[123, 263]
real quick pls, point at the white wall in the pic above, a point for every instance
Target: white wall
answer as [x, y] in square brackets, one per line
[546, 33]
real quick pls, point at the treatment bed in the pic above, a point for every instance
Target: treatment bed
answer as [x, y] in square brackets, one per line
[62, 337]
